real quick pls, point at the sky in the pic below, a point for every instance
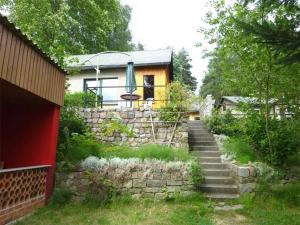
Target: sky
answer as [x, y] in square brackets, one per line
[158, 24]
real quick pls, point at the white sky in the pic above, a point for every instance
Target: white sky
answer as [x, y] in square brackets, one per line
[161, 23]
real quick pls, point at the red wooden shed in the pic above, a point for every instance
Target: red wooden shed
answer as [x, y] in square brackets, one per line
[31, 94]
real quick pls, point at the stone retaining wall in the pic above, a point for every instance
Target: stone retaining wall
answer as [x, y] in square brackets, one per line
[145, 178]
[140, 122]
[245, 176]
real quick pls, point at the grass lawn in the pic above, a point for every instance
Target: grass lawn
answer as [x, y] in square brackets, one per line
[124, 211]
[274, 206]
[281, 207]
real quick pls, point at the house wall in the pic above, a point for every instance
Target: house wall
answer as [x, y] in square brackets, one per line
[76, 81]
[161, 74]
[161, 78]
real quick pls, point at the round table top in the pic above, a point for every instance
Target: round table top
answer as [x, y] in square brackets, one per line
[130, 97]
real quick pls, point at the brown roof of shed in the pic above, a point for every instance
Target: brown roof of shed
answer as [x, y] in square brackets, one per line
[16, 31]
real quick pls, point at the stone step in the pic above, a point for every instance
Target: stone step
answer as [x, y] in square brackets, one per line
[214, 166]
[203, 143]
[210, 159]
[221, 197]
[198, 129]
[218, 180]
[219, 188]
[199, 132]
[195, 122]
[206, 153]
[216, 172]
[204, 148]
[196, 139]
[194, 135]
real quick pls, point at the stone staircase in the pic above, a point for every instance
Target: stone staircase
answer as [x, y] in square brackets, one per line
[218, 184]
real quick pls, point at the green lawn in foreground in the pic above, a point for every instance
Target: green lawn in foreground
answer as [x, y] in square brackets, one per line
[274, 205]
[124, 211]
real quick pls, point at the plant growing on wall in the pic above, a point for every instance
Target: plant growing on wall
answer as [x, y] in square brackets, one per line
[115, 125]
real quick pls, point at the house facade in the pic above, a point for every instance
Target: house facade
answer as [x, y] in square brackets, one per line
[31, 94]
[153, 72]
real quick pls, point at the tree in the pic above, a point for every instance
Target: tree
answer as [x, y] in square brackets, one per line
[213, 82]
[279, 27]
[64, 27]
[182, 69]
[251, 66]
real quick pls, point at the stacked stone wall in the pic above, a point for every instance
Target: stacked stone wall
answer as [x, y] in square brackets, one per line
[141, 124]
[148, 178]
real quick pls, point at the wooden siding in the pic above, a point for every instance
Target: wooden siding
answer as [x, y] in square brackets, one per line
[161, 78]
[23, 66]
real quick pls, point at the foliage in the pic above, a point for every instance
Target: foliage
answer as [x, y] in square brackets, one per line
[189, 210]
[101, 189]
[168, 196]
[182, 69]
[60, 197]
[279, 27]
[240, 149]
[62, 28]
[109, 127]
[79, 100]
[284, 135]
[178, 102]
[196, 173]
[222, 123]
[79, 147]
[244, 63]
[149, 151]
[70, 122]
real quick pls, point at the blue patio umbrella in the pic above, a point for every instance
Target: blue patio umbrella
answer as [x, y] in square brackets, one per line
[130, 78]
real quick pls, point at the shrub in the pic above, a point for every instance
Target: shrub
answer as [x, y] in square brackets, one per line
[222, 123]
[71, 120]
[284, 136]
[101, 190]
[240, 149]
[79, 147]
[196, 173]
[60, 197]
[178, 102]
[79, 100]
[109, 127]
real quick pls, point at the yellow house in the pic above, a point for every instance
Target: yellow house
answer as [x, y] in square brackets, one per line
[153, 72]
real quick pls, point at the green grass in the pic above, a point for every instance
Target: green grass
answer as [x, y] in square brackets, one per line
[275, 205]
[191, 210]
[150, 151]
[242, 151]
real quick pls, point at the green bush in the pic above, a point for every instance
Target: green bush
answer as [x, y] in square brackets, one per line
[150, 151]
[109, 127]
[240, 149]
[79, 100]
[60, 197]
[196, 173]
[222, 123]
[80, 147]
[178, 102]
[284, 136]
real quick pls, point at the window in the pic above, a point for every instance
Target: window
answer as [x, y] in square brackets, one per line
[148, 87]
[107, 89]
